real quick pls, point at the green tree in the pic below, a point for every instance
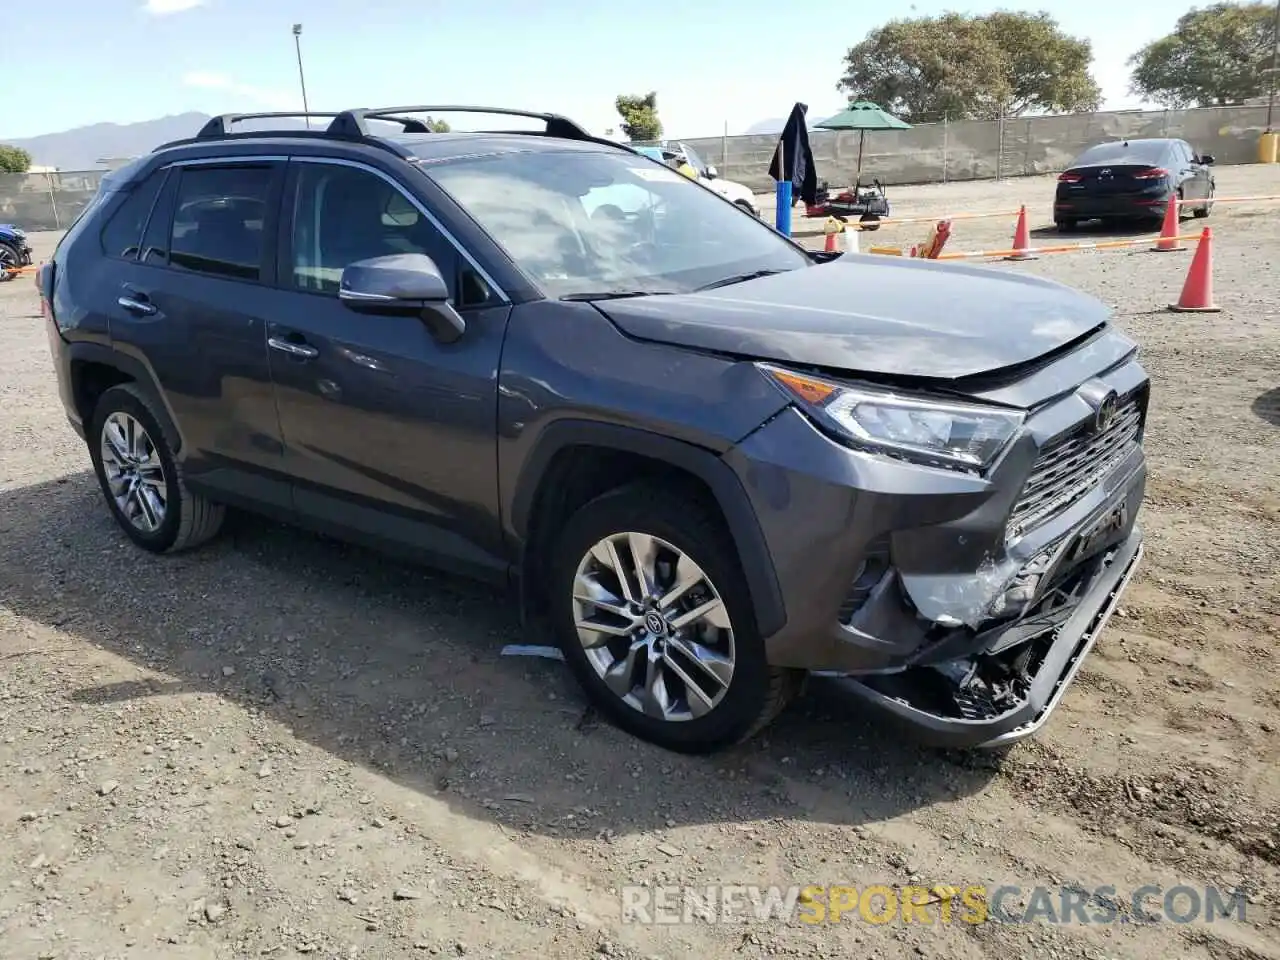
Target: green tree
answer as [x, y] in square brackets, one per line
[963, 67]
[438, 126]
[1218, 55]
[639, 116]
[14, 160]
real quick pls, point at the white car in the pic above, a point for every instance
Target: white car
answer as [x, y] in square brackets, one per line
[674, 153]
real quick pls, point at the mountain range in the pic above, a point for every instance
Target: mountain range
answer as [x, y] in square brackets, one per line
[85, 147]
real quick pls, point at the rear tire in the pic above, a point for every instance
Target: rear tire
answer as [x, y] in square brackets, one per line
[637, 670]
[143, 484]
[1203, 211]
[1065, 225]
[870, 222]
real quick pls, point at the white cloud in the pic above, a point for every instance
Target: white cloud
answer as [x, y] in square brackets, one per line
[260, 96]
[160, 8]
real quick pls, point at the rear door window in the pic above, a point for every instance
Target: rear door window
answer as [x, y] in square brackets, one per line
[219, 221]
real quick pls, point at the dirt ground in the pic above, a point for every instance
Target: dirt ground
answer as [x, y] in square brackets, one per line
[282, 746]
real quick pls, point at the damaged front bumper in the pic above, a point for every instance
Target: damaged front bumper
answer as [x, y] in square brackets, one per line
[1007, 693]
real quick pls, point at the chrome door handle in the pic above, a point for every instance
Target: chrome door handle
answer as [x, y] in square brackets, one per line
[293, 349]
[140, 307]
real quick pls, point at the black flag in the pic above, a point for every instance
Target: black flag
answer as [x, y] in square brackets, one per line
[797, 155]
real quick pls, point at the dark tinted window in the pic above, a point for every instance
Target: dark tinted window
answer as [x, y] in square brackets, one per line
[218, 220]
[155, 243]
[342, 214]
[1133, 151]
[123, 229]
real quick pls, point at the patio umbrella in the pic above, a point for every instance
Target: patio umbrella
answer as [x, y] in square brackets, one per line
[862, 116]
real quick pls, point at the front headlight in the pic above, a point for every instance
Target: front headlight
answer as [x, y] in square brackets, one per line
[19, 232]
[934, 432]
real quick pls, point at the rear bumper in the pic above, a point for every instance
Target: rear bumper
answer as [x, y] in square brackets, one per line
[1129, 207]
[1074, 639]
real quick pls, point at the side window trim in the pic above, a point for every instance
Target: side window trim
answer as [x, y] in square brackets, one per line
[169, 178]
[499, 295]
[277, 165]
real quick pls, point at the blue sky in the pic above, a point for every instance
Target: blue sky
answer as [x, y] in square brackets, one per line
[712, 62]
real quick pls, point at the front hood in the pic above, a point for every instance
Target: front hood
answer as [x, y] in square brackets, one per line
[875, 315]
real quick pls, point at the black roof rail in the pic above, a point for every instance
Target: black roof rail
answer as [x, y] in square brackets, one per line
[220, 126]
[351, 123]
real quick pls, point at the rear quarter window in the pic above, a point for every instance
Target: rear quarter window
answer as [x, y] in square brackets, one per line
[122, 232]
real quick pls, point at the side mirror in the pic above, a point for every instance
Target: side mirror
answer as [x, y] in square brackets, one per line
[1207, 160]
[402, 283]
[712, 173]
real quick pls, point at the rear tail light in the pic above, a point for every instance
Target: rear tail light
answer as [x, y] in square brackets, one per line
[1155, 173]
[1069, 177]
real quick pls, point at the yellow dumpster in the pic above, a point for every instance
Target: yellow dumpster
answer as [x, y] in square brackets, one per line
[1269, 148]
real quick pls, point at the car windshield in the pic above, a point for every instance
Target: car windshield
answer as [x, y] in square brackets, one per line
[694, 159]
[1132, 151]
[594, 223]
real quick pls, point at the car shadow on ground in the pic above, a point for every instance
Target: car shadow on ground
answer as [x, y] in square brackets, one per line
[1100, 229]
[1267, 407]
[382, 665]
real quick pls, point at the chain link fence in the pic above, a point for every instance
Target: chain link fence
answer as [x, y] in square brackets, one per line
[927, 153]
[46, 201]
[989, 149]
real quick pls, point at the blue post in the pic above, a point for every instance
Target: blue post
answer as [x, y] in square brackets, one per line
[783, 216]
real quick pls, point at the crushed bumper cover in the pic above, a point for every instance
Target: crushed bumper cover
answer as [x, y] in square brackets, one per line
[1070, 643]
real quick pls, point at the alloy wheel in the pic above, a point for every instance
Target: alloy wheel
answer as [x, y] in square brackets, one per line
[134, 472]
[653, 626]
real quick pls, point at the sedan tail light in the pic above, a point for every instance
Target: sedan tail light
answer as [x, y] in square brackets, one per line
[1155, 173]
[1069, 177]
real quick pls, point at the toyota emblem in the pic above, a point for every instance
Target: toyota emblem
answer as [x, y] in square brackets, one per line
[1106, 411]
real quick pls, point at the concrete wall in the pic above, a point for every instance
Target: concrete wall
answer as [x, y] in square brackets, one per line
[980, 149]
[969, 150]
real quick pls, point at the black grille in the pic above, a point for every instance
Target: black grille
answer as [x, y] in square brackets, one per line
[1072, 465]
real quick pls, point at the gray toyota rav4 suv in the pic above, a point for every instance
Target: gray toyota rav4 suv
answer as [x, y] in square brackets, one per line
[708, 461]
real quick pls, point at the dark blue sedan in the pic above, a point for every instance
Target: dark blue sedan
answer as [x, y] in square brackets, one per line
[1133, 180]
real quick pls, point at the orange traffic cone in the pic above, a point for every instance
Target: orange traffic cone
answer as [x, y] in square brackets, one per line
[1021, 238]
[1169, 241]
[833, 244]
[1197, 291]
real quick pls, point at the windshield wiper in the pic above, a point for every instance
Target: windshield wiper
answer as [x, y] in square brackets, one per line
[738, 278]
[613, 294]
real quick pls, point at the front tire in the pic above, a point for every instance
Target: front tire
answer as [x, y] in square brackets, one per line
[10, 259]
[143, 484]
[653, 614]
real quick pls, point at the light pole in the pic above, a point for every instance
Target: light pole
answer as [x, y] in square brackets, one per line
[1275, 55]
[302, 78]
